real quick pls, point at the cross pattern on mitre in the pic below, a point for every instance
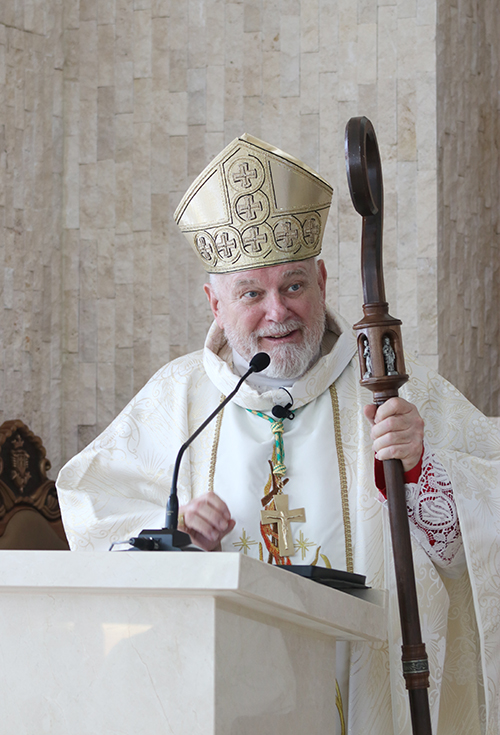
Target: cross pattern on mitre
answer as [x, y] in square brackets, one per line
[283, 517]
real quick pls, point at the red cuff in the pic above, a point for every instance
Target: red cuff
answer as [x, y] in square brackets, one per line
[412, 475]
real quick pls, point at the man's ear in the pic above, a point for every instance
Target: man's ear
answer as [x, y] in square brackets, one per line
[213, 301]
[322, 276]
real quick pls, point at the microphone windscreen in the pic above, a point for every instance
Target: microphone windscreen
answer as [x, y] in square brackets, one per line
[259, 362]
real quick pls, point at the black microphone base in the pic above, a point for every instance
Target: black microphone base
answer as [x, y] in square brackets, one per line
[163, 539]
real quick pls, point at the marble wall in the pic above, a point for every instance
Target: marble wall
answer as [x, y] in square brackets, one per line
[469, 197]
[110, 108]
[31, 204]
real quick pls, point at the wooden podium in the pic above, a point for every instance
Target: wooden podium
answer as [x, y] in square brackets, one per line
[131, 643]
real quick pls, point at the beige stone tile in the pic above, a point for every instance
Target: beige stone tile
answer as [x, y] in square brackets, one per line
[290, 133]
[196, 88]
[271, 33]
[367, 11]
[142, 43]
[347, 50]
[407, 8]
[124, 29]
[407, 303]
[350, 308]
[390, 234]
[252, 64]
[160, 52]
[106, 12]
[407, 211]
[368, 102]
[386, 130]
[160, 341]
[290, 56]
[196, 150]
[124, 173]
[197, 35]
[252, 17]
[426, 125]
[309, 140]
[427, 214]
[141, 183]
[407, 47]
[105, 264]
[88, 10]
[124, 86]
[106, 411]
[427, 300]
[143, 100]
[105, 123]
[88, 269]
[123, 378]
[309, 30]
[71, 183]
[367, 53]
[215, 31]
[252, 114]
[88, 61]
[106, 330]
[215, 99]
[407, 113]
[233, 99]
[329, 129]
[160, 8]
[328, 36]
[124, 259]
[214, 143]
[349, 269]
[310, 90]
[160, 160]
[124, 316]
[106, 55]
[270, 118]
[87, 386]
[87, 330]
[178, 166]
[178, 64]
[124, 135]
[178, 103]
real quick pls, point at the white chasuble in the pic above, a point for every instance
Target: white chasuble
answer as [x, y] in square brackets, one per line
[120, 484]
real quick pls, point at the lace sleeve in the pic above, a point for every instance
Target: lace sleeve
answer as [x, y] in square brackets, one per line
[433, 515]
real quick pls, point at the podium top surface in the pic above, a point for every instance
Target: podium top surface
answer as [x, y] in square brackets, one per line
[230, 578]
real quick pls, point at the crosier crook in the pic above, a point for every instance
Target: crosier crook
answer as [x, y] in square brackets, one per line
[383, 372]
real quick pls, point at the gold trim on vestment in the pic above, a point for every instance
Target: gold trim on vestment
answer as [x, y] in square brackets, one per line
[215, 446]
[344, 490]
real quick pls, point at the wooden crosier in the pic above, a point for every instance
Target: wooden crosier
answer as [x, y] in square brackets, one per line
[383, 372]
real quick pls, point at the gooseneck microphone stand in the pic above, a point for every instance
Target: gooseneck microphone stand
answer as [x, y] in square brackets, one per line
[170, 538]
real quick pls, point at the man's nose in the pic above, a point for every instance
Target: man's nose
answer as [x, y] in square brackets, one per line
[276, 307]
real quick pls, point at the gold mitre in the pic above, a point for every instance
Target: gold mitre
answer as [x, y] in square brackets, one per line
[254, 206]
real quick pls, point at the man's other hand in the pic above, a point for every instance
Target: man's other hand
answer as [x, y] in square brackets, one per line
[397, 431]
[207, 520]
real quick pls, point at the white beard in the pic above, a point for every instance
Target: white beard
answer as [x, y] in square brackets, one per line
[287, 360]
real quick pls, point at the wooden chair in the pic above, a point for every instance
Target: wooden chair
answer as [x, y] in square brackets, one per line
[30, 517]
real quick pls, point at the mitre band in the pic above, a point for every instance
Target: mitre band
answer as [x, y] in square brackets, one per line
[254, 206]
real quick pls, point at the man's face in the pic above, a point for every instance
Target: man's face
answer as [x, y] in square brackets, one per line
[279, 310]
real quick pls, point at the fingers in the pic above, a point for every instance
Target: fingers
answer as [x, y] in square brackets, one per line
[207, 520]
[397, 432]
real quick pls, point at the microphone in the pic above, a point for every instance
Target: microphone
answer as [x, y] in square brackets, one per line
[170, 538]
[283, 412]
